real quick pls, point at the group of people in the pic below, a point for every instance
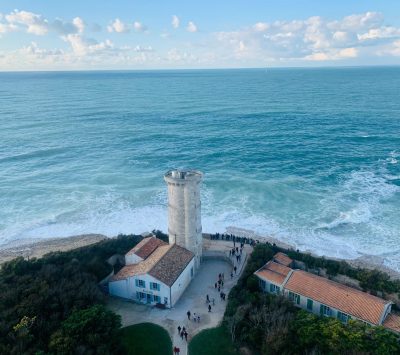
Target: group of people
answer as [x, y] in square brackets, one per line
[219, 285]
[182, 332]
[237, 253]
[177, 351]
[233, 238]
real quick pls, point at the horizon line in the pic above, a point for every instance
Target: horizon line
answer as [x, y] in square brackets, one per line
[202, 69]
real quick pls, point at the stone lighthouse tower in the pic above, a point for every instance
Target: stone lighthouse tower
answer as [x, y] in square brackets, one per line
[184, 210]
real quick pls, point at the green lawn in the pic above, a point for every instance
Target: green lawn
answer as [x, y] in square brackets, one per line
[215, 341]
[146, 339]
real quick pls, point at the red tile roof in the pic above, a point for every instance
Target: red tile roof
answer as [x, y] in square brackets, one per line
[165, 264]
[283, 259]
[142, 267]
[146, 247]
[274, 272]
[346, 299]
[392, 322]
[171, 265]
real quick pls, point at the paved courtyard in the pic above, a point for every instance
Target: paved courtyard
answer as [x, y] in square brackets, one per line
[193, 299]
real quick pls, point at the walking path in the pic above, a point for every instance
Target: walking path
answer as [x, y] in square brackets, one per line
[193, 299]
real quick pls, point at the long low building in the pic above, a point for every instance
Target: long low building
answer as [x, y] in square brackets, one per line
[155, 273]
[321, 296]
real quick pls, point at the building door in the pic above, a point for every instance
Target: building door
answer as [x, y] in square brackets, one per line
[149, 298]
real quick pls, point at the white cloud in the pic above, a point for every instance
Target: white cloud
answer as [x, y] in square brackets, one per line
[143, 49]
[380, 33]
[261, 26]
[175, 21]
[314, 38]
[33, 23]
[118, 26]
[310, 40]
[191, 27]
[85, 46]
[79, 24]
[139, 27]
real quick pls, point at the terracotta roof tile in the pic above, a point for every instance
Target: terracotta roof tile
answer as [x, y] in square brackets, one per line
[146, 247]
[142, 267]
[274, 272]
[392, 322]
[165, 264]
[283, 259]
[346, 299]
[171, 265]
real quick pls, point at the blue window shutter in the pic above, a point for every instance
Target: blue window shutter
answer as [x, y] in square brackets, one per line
[158, 287]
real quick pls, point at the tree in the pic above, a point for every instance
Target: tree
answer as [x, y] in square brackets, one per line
[94, 330]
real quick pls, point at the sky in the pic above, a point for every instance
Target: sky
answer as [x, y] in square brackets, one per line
[183, 34]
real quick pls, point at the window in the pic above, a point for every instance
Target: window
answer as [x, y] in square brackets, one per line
[165, 300]
[262, 284]
[140, 296]
[157, 299]
[310, 304]
[294, 297]
[154, 286]
[343, 317]
[274, 289]
[140, 283]
[325, 310]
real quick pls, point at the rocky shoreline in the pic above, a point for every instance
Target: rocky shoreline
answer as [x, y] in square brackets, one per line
[365, 261]
[36, 248]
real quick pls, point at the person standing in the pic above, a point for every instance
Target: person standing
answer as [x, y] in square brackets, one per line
[188, 314]
[179, 329]
[178, 351]
[209, 308]
[186, 335]
[208, 299]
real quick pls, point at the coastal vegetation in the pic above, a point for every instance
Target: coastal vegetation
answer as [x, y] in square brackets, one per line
[270, 324]
[54, 305]
[146, 339]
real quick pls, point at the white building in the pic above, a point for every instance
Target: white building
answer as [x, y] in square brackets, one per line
[323, 296]
[184, 210]
[156, 272]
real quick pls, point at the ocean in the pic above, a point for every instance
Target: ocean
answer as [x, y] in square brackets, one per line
[308, 156]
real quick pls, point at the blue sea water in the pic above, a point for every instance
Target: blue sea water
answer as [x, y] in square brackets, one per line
[309, 156]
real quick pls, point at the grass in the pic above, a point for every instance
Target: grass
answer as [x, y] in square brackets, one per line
[214, 341]
[146, 339]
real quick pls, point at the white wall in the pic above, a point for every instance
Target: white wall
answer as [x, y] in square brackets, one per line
[182, 282]
[184, 212]
[265, 286]
[317, 305]
[127, 288]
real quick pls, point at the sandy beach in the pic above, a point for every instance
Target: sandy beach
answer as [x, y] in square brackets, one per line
[38, 248]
